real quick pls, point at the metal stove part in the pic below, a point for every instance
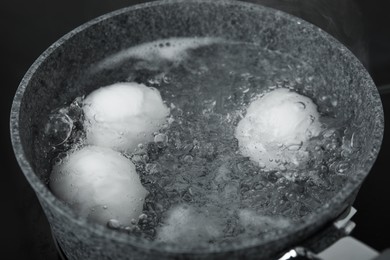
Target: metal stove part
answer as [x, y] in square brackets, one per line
[342, 226]
[344, 223]
[346, 248]
[299, 253]
[385, 255]
[384, 89]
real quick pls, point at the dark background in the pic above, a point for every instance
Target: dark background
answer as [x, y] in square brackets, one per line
[29, 27]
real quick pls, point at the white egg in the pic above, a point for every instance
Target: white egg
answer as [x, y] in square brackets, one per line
[99, 184]
[123, 115]
[188, 227]
[276, 128]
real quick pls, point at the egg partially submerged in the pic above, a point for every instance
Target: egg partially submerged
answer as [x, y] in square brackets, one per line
[187, 226]
[123, 115]
[100, 184]
[276, 129]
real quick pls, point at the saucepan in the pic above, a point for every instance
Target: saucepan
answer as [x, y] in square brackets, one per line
[287, 54]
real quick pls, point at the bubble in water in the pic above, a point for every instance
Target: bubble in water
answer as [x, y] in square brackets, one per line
[161, 140]
[59, 127]
[328, 133]
[128, 229]
[342, 167]
[188, 158]
[352, 140]
[151, 168]
[295, 147]
[262, 165]
[323, 98]
[301, 105]
[143, 216]
[113, 223]
[137, 158]
[57, 160]
[331, 146]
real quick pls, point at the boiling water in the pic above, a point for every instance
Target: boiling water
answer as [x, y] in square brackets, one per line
[196, 177]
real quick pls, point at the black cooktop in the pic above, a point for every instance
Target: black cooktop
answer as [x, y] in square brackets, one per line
[29, 27]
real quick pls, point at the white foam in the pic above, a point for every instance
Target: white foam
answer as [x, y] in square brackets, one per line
[251, 220]
[99, 184]
[276, 128]
[123, 115]
[171, 49]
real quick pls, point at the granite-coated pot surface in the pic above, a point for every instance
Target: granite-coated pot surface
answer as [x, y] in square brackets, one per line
[53, 78]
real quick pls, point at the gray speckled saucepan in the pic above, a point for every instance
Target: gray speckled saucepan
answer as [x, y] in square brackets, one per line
[55, 78]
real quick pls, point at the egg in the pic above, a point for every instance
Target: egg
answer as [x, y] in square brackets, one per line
[187, 226]
[99, 184]
[123, 115]
[276, 129]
